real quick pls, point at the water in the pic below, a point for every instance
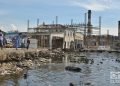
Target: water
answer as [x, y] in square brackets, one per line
[54, 74]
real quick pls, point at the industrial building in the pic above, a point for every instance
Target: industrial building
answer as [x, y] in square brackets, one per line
[93, 38]
[53, 36]
[74, 36]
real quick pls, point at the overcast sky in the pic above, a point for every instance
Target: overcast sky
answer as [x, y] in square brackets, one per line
[15, 13]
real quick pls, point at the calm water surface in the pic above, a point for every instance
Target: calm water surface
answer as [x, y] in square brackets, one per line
[54, 74]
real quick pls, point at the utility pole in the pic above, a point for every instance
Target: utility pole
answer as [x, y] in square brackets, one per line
[107, 37]
[56, 20]
[53, 22]
[99, 25]
[28, 25]
[37, 22]
[71, 22]
[99, 29]
[85, 21]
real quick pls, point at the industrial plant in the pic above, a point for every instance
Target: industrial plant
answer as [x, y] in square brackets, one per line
[73, 36]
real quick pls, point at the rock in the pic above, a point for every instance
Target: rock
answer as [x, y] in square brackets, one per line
[84, 60]
[25, 76]
[74, 69]
[18, 70]
[92, 61]
[118, 60]
[103, 59]
[71, 84]
[14, 61]
[88, 83]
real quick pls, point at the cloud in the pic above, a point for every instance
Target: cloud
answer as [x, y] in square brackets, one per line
[97, 5]
[4, 28]
[93, 6]
[14, 27]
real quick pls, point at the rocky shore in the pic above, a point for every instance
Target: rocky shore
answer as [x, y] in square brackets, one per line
[15, 61]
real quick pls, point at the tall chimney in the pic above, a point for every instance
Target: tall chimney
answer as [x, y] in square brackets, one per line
[89, 22]
[119, 29]
[89, 17]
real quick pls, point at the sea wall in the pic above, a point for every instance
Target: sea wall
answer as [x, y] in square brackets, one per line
[15, 61]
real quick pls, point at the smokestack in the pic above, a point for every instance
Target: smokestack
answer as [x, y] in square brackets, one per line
[119, 29]
[37, 22]
[89, 17]
[89, 23]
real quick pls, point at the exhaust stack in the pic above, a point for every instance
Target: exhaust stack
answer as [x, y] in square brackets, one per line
[89, 23]
[119, 29]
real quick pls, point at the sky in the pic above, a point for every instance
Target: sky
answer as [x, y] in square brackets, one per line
[15, 13]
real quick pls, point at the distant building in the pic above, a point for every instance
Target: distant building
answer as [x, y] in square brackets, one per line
[53, 36]
[79, 40]
[96, 41]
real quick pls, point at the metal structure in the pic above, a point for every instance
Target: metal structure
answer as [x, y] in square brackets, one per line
[89, 31]
[86, 28]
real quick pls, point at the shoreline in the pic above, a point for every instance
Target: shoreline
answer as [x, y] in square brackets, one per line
[14, 61]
